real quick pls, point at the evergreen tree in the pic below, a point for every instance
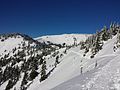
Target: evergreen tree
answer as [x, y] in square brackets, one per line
[25, 78]
[113, 29]
[43, 71]
[1, 75]
[97, 45]
[104, 34]
[82, 45]
[118, 40]
[75, 41]
[33, 74]
[56, 61]
[118, 36]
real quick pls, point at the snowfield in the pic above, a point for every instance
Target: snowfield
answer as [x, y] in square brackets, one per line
[9, 44]
[106, 76]
[68, 39]
[67, 75]
[74, 72]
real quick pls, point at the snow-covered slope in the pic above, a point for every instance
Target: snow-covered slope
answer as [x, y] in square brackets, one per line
[20, 57]
[67, 75]
[68, 39]
[65, 67]
[10, 44]
[106, 76]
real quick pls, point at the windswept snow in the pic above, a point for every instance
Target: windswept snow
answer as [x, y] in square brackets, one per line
[68, 39]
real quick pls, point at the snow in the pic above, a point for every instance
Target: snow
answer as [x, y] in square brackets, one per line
[108, 47]
[6, 47]
[68, 39]
[9, 45]
[105, 77]
[67, 76]
[3, 86]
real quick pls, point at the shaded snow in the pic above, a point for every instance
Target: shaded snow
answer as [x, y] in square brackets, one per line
[3, 86]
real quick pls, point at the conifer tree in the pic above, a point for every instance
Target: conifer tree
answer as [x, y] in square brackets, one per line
[43, 71]
[118, 39]
[56, 61]
[104, 35]
[118, 36]
[97, 44]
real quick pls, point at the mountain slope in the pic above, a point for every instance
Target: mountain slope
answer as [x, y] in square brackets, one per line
[104, 77]
[70, 67]
[91, 65]
[21, 57]
[67, 62]
[70, 52]
[67, 39]
[22, 60]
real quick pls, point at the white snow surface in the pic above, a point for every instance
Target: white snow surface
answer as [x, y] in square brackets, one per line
[67, 76]
[105, 77]
[9, 44]
[68, 39]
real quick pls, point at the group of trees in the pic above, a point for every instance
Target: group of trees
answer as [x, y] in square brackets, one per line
[31, 57]
[95, 42]
[117, 45]
[24, 60]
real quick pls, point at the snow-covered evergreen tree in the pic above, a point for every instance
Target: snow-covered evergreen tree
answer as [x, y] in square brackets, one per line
[97, 45]
[118, 36]
[118, 39]
[56, 61]
[104, 34]
[43, 71]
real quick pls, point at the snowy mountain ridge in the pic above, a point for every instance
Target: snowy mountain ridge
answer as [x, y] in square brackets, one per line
[61, 62]
[92, 65]
[27, 57]
[67, 39]
[20, 58]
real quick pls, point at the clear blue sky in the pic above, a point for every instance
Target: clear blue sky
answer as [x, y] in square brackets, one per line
[42, 17]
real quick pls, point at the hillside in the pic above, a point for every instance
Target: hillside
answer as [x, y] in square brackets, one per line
[21, 57]
[23, 60]
[67, 39]
[105, 76]
[92, 65]
[61, 62]
[71, 65]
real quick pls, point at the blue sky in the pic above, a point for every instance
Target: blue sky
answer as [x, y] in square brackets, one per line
[43, 17]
